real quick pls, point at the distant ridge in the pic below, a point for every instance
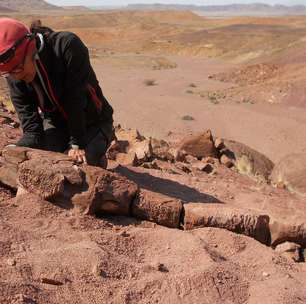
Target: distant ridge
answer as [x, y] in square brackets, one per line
[26, 5]
[76, 7]
[254, 8]
[5, 9]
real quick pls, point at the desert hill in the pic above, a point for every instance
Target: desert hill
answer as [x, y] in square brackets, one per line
[28, 5]
[4, 9]
[242, 41]
[230, 9]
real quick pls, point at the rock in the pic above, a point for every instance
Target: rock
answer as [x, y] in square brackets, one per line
[265, 274]
[183, 167]
[157, 208]
[106, 193]
[88, 189]
[178, 154]
[150, 165]
[8, 175]
[248, 161]
[97, 271]
[160, 149]
[219, 144]
[129, 135]
[201, 166]
[21, 191]
[209, 160]
[15, 155]
[237, 220]
[199, 146]
[290, 250]
[226, 161]
[47, 176]
[127, 159]
[172, 168]
[287, 232]
[162, 268]
[290, 173]
[51, 281]
[191, 159]
[158, 266]
[143, 150]
[22, 299]
[11, 262]
[287, 247]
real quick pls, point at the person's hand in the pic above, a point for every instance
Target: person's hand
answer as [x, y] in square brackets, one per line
[78, 155]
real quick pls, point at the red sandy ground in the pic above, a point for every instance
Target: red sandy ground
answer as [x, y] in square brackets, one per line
[50, 255]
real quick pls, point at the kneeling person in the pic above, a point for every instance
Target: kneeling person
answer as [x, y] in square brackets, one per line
[55, 91]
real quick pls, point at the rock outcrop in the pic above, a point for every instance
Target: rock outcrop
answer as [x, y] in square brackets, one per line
[245, 159]
[290, 173]
[95, 191]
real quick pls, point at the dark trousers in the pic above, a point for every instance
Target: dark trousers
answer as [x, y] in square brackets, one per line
[99, 137]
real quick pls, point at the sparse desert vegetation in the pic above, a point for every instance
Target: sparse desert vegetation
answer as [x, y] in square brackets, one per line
[150, 82]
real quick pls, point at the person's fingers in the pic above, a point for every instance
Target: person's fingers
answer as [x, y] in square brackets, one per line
[84, 160]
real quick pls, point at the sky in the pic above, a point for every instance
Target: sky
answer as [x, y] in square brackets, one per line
[196, 2]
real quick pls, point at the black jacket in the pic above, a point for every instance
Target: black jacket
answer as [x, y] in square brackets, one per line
[72, 96]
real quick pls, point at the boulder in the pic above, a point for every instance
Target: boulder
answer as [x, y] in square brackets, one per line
[8, 175]
[226, 161]
[282, 231]
[106, 193]
[88, 189]
[55, 177]
[142, 149]
[202, 166]
[290, 173]
[15, 155]
[178, 154]
[246, 160]
[160, 149]
[199, 146]
[127, 159]
[158, 208]
[219, 144]
[246, 222]
[287, 247]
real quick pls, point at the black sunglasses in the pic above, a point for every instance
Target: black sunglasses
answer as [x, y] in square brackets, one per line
[10, 53]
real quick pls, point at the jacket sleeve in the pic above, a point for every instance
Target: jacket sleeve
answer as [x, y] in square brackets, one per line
[27, 112]
[76, 58]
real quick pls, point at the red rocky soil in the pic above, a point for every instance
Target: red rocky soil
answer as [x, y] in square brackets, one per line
[50, 252]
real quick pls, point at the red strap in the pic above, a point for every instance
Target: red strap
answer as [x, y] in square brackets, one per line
[51, 90]
[94, 97]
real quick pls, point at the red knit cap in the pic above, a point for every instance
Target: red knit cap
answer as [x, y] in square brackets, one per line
[10, 32]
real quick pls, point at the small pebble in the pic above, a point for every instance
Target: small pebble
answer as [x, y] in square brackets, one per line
[265, 274]
[162, 268]
[11, 262]
[124, 234]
